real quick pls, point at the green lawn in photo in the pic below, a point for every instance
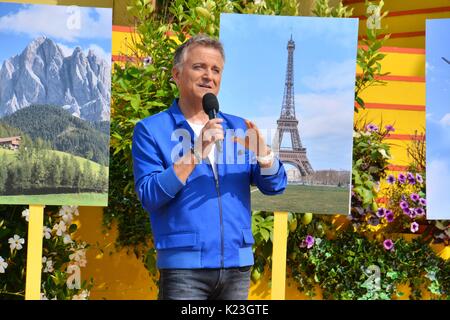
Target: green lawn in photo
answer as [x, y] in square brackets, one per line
[300, 198]
[81, 199]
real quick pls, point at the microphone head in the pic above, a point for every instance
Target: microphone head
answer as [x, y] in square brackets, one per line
[210, 103]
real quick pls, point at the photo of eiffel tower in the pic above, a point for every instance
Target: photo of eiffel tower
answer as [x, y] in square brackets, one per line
[303, 107]
[295, 154]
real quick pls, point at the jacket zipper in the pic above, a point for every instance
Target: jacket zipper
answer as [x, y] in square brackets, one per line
[221, 217]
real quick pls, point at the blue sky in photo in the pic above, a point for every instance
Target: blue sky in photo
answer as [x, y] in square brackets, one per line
[438, 118]
[324, 78]
[21, 23]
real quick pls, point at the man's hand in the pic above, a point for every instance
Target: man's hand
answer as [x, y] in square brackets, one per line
[211, 132]
[254, 141]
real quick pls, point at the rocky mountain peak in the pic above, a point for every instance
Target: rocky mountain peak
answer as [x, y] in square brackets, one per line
[42, 75]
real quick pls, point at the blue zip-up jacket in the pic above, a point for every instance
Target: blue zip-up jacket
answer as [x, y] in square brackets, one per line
[204, 222]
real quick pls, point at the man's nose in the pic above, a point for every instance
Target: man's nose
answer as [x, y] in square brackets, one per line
[207, 74]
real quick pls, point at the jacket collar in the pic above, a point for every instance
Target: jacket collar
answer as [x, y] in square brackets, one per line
[179, 116]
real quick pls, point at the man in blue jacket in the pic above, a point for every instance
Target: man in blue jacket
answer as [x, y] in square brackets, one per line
[198, 193]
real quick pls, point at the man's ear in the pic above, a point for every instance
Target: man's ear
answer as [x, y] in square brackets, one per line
[175, 74]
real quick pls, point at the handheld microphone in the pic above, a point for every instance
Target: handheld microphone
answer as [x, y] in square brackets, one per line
[211, 108]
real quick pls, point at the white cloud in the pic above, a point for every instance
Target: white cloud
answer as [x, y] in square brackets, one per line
[67, 51]
[325, 128]
[53, 21]
[99, 52]
[323, 115]
[445, 121]
[330, 75]
[438, 202]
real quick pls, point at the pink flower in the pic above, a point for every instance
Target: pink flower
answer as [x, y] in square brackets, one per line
[308, 242]
[389, 216]
[388, 244]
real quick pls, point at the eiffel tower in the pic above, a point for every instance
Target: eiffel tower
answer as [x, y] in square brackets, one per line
[288, 123]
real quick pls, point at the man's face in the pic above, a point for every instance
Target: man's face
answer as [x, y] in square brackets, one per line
[200, 73]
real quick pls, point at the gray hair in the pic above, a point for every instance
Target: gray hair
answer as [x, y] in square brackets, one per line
[198, 40]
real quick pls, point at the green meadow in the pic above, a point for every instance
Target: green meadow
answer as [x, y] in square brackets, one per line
[300, 198]
[82, 199]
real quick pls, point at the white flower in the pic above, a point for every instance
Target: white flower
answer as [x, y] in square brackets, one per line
[66, 214]
[3, 265]
[60, 228]
[82, 296]
[48, 264]
[16, 242]
[383, 153]
[79, 257]
[67, 239]
[44, 297]
[26, 214]
[47, 232]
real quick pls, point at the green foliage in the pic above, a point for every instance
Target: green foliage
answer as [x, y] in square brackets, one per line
[351, 266]
[262, 229]
[370, 161]
[368, 56]
[322, 9]
[61, 131]
[62, 256]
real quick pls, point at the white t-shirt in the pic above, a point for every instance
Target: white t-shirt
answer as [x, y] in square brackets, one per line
[197, 128]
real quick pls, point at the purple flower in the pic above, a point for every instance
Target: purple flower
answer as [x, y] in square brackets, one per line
[414, 227]
[381, 212]
[147, 61]
[412, 213]
[309, 241]
[419, 178]
[389, 128]
[404, 205]
[388, 244]
[390, 179]
[389, 216]
[371, 127]
[414, 197]
[423, 201]
[411, 178]
[401, 178]
[419, 211]
[406, 211]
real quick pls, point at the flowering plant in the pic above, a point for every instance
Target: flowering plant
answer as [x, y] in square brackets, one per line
[406, 202]
[349, 265]
[370, 161]
[62, 256]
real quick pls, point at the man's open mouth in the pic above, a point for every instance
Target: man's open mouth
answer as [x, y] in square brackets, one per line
[205, 86]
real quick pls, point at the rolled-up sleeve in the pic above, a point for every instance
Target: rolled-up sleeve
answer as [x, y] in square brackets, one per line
[154, 183]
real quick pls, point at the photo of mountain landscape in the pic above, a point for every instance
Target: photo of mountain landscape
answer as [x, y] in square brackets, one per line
[55, 89]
